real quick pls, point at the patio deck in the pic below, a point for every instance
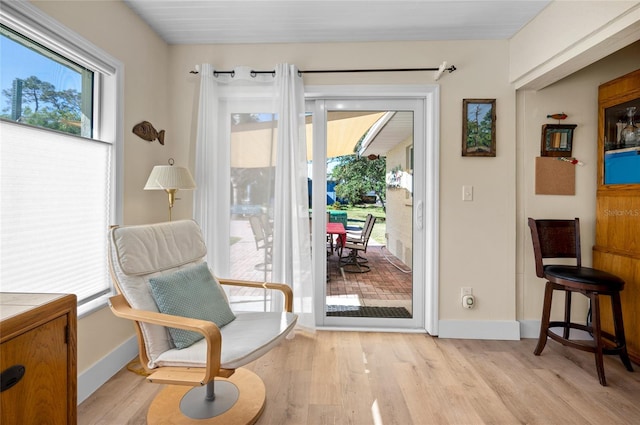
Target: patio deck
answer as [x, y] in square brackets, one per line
[388, 284]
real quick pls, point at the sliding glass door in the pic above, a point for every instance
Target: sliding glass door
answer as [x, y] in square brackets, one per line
[365, 178]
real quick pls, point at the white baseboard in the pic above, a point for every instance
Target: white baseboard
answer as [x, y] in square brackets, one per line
[530, 329]
[479, 329]
[94, 377]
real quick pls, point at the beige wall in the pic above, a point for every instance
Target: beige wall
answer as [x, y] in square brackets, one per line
[477, 239]
[480, 234]
[577, 96]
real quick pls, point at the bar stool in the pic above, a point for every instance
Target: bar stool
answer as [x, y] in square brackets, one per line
[561, 239]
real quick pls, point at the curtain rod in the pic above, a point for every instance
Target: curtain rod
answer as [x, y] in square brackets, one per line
[438, 70]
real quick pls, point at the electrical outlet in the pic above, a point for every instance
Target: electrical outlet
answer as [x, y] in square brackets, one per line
[468, 300]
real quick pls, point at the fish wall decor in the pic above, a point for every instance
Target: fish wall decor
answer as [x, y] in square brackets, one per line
[560, 116]
[146, 131]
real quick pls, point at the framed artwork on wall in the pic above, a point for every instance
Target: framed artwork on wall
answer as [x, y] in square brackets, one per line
[478, 127]
[557, 139]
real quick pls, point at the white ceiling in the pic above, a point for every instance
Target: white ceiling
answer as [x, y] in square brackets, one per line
[302, 21]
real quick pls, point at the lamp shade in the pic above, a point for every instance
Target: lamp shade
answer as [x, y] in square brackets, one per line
[164, 177]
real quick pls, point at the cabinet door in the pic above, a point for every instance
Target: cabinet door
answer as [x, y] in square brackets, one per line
[40, 397]
[628, 269]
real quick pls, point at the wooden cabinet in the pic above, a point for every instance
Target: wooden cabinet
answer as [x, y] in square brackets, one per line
[38, 336]
[617, 248]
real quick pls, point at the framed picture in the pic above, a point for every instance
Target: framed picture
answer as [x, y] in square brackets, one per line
[557, 139]
[478, 127]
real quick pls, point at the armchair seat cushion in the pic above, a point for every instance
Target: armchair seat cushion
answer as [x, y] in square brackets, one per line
[245, 339]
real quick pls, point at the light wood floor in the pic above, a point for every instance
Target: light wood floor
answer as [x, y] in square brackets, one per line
[384, 378]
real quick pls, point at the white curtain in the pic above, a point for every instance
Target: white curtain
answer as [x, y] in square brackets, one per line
[212, 174]
[251, 159]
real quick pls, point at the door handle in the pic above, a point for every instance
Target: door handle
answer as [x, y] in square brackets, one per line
[419, 215]
[11, 376]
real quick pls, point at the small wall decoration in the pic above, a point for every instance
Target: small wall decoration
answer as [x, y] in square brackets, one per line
[146, 131]
[557, 140]
[560, 116]
[394, 177]
[478, 127]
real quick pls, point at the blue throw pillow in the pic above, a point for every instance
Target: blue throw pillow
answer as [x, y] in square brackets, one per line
[191, 292]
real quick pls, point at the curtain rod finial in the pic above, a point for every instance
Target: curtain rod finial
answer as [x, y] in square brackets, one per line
[441, 69]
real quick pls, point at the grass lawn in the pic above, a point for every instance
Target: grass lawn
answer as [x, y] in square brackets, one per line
[359, 212]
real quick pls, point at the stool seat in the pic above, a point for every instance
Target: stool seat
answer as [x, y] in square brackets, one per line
[584, 277]
[561, 239]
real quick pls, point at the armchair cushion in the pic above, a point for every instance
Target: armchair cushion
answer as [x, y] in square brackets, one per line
[244, 340]
[191, 292]
[140, 252]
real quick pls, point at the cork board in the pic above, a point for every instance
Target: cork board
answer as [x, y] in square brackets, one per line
[554, 177]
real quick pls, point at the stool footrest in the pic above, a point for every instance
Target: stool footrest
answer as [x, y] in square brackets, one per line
[584, 345]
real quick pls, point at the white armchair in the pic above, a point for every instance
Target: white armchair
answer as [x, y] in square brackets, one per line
[148, 264]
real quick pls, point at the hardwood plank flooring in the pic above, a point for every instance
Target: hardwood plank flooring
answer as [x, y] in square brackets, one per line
[358, 378]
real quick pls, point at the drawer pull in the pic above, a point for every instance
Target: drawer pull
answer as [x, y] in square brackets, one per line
[11, 376]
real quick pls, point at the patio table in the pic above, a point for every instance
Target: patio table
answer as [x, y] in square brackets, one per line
[339, 230]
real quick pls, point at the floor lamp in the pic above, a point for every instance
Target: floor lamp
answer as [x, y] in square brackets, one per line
[170, 179]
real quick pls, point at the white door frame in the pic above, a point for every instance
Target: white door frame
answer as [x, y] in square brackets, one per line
[426, 186]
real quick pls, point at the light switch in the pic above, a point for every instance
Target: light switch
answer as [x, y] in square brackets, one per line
[467, 193]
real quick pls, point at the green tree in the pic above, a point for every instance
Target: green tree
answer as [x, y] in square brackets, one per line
[44, 106]
[356, 176]
[36, 91]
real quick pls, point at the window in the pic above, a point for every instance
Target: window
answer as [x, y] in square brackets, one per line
[59, 154]
[42, 88]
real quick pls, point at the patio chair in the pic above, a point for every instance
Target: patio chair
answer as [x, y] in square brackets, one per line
[357, 227]
[188, 337]
[263, 236]
[267, 227]
[355, 235]
[353, 262]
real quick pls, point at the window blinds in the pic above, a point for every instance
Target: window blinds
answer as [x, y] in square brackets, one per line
[54, 212]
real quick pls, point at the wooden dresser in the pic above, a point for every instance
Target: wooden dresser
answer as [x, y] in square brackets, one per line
[38, 337]
[617, 248]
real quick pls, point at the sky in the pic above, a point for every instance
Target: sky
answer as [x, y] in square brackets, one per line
[482, 108]
[18, 61]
